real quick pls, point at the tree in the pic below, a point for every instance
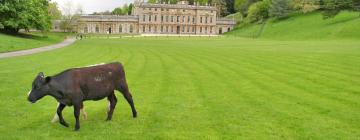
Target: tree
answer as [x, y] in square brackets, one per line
[305, 6]
[280, 9]
[258, 11]
[17, 14]
[131, 6]
[71, 15]
[54, 11]
[221, 6]
[124, 10]
[242, 6]
[330, 8]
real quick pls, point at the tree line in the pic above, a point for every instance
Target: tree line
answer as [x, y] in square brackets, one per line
[260, 10]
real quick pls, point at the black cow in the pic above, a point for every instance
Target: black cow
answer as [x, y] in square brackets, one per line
[73, 86]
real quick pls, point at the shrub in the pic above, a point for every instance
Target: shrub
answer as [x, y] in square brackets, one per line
[258, 11]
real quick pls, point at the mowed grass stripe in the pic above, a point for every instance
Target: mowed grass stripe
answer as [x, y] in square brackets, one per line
[272, 123]
[267, 89]
[338, 84]
[195, 94]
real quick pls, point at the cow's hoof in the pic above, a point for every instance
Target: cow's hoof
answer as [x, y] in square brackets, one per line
[76, 129]
[64, 124]
[108, 120]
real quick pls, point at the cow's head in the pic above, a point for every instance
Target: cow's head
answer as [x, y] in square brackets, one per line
[40, 88]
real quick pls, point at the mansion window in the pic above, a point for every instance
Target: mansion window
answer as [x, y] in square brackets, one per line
[162, 18]
[193, 29]
[167, 18]
[155, 9]
[85, 29]
[178, 19]
[149, 17]
[172, 18]
[210, 19]
[120, 29]
[143, 29]
[183, 28]
[200, 19]
[206, 19]
[167, 28]
[155, 29]
[188, 19]
[162, 29]
[131, 28]
[172, 29]
[155, 17]
[188, 28]
[193, 20]
[183, 19]
[149, 28]
[200, 29]
[144, 16]
[97, 29]
[206, 29]
[211, 28]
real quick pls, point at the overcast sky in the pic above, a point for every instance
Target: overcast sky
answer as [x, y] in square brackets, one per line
[90, 6]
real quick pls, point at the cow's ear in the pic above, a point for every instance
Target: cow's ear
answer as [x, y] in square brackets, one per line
[41, 74]
[47, 79]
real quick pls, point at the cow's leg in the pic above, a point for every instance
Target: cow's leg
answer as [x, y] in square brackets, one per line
[112, 100]
[127, 95]
[59, 113]
[77, 114]
[82, 109]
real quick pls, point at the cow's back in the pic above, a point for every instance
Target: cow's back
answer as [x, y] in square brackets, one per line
[97, 81]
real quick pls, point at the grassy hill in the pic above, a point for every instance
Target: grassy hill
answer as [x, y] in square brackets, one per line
[28, 41]
[303, 27]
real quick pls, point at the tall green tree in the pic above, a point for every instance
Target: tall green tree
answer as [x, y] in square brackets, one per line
[54, 11]
[259, 11]
[131, 6]
[24, 14]
[280, 9]
[243, 6]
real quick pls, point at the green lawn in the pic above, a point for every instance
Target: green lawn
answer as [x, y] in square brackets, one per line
[309, 26]
[198, 88]
[10, 43]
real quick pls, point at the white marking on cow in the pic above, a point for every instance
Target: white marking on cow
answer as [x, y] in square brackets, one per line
[109, 106]
[95, 65]
[98, 79]
[110, 73]
[56, 116]
[92, 65]
[29, 93]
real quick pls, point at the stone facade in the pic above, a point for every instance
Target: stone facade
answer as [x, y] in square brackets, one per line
[180, 18]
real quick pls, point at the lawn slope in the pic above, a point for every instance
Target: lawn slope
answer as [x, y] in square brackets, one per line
[310, 26]
[27, 41]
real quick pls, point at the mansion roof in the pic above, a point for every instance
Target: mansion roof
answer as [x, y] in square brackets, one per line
[109, 18]
[176, 6]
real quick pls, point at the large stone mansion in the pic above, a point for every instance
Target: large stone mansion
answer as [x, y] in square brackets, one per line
[146, 18]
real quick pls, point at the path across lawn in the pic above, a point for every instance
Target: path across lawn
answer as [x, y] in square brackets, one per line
[65, 43]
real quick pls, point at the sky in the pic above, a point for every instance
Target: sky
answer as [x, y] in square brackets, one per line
[90, 6]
